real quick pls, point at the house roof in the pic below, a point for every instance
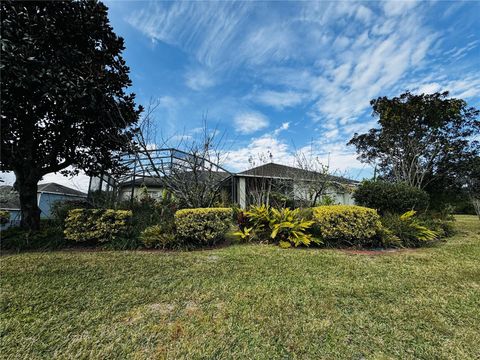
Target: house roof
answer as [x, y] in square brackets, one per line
[273, 170]
[9, 198]
[139, 181]
[55, 188]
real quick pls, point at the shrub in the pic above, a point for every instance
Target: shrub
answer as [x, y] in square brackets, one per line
[347, 225]
[60, 209]
[157, 236]
[257, 223]
[409, 230]
[148, 211]
[99, 225]
[4, 217]
[203, 226]
[285, 227]
[387, 197]
[49, 237]
[289, 228]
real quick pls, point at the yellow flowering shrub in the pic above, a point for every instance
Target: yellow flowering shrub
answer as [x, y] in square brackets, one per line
[347, 225]
[203, 226]
[97, 224]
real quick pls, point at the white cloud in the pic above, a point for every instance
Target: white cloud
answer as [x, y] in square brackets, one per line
[467, 88]
[205, 29]
[330, 57]
[269, 148]
[282, 127]
[364, 14]
[250, 122]
[262, 149]
[79, 182]
[398, 7]
[199, 80]
[279, 100]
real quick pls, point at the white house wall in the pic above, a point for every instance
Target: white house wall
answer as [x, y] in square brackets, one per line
[300, 192]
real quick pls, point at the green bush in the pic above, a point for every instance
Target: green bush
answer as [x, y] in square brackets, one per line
[256, 223]
[347, 225]
[410, 231]
[60, 209]
[50, 236]
[148, 212]
[99, 225]
[203, 226]
[157, 236]
[289, 228]
[4, 217]
[283, 226]
[387, 197]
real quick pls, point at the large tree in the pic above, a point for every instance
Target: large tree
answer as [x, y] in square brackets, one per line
[63, 99]
[420, 138]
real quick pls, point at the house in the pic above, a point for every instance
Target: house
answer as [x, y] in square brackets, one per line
[269, 183]
[295, 186]
[47, 195]
[137, 186]
[10, 202]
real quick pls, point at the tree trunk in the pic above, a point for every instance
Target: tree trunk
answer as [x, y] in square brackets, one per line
[27, 187]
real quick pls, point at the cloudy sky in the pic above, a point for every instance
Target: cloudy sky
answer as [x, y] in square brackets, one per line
[279, 76]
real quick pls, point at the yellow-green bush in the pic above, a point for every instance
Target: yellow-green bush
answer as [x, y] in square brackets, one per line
[283, 226]
[347, 225]
[203, 226]
[100, 225]
[409, 229]
[158, 236]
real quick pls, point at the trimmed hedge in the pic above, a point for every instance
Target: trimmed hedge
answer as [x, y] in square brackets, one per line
[387, 197]
[100, 225]
[203, 226]
[347, 225]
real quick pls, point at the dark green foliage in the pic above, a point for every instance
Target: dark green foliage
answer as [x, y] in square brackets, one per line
[410, 230]
[420, 138]
[148, 212]
[60, 209]
[389, 197]
[63, 96]
[50, 237]
[127, 241]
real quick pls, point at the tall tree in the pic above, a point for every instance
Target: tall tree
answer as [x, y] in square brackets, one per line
[420, 137]
[63, 101]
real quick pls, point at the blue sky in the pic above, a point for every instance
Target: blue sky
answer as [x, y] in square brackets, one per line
[280, 76]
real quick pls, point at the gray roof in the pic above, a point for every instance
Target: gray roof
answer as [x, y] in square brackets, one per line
[272, 170]
[59, 189]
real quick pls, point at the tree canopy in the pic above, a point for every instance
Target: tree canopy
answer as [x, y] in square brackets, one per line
[420, 138]
[63, 93]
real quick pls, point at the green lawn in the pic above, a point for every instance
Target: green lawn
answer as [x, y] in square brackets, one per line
[251, 302]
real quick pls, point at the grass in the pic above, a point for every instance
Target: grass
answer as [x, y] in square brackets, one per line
[250, 301]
